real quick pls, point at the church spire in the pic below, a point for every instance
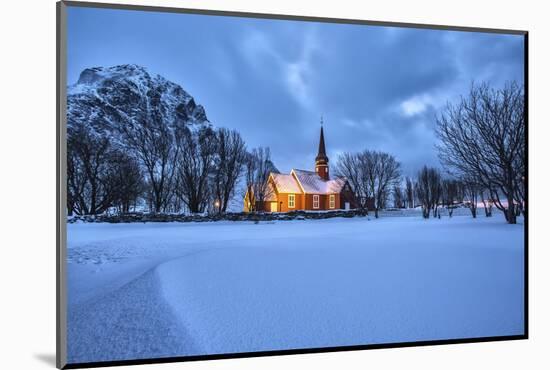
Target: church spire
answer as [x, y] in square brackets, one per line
[322, 151]
[321, 161]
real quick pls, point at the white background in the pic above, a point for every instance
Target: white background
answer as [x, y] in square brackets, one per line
[27, 182]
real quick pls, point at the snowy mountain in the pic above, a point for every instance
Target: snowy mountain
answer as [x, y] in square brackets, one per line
[106, 98]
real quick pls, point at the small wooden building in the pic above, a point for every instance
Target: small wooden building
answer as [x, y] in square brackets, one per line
[305, 190]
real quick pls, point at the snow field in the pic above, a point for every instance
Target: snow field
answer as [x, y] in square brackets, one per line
[154, 290]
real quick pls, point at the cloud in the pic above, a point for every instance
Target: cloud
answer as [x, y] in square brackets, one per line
[298, 72]
[264, 55]
[257, 49]
[377, 87]
[431, 100]
[415, 105]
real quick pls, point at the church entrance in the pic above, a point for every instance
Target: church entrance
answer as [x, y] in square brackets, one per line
[274, 207]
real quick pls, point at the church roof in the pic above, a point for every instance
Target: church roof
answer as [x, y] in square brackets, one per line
[285, 183]
[311, 183]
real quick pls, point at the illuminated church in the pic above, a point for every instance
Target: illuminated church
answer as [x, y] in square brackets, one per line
[306, 190]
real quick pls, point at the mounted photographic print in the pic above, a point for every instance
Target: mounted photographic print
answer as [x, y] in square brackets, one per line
[234, 184]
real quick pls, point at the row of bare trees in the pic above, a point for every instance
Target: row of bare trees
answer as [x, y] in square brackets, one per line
[432, 191]
[99, 175]
[482, 147]
[170, 169]
[372, 176]
[375, 176]
[428, 191]
[173, 168]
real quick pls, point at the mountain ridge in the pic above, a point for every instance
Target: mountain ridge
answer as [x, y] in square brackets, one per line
[106, 98]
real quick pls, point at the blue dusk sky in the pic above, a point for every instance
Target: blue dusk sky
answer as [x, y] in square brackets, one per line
[376, 87]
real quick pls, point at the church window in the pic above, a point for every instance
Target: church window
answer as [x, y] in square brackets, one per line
[315, 201]
[332, 201]
[291, 199]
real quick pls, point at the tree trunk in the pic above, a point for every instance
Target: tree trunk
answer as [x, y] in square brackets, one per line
[157, 201]
[510, 211]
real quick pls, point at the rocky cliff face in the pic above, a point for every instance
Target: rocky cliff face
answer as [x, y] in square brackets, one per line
[108, 98]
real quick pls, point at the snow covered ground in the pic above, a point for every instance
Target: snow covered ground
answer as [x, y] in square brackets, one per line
[175, 289]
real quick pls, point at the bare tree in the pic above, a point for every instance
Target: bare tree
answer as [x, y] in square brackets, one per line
[398, 196]
[409, 192]
[451, 194]
[437, 193]
[230, 155]
[520, 183]
[472, 189]
[371, 174]
[194, 167]
[127, 181]
[258, 167]
[428, 190]
[383, 172]
[383, 201]
[349, 166]
[76, 179]
[485, 197]
[153, 143]
[483, 137]
[89, 183]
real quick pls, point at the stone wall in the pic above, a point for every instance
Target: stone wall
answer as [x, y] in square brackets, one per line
[256, 217]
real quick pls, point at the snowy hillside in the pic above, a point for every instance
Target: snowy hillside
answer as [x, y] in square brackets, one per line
[106, 98]
[155, 290]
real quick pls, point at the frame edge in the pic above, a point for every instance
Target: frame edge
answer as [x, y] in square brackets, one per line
[290, 17]
[61, 237]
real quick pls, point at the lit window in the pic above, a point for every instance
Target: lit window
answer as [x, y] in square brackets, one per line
[326, 169]
[291, 200]
[332, 201]
[315, 201]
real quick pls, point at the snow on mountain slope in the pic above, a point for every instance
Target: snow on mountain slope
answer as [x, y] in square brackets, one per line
[106, 98]
[198, 288]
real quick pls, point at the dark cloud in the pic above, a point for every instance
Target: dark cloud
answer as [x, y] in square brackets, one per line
[377, 87]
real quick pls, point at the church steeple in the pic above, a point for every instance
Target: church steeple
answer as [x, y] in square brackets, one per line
[321, 161]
